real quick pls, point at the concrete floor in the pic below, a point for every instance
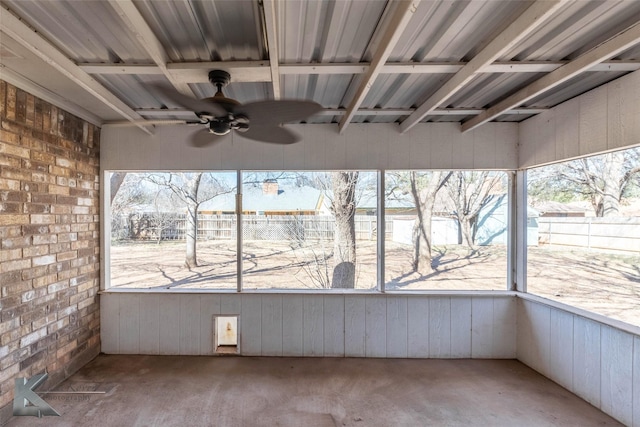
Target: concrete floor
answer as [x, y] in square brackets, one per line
[255, 391]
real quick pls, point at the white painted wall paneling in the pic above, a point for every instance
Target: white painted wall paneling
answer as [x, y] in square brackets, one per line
[314, 325]
[364, 146]
[334, 327]
[636, 381]
[292, 326]
[462, 327]
[606, 118]
[251, 325]
[594, 360]
[354, 326]
[616, 366]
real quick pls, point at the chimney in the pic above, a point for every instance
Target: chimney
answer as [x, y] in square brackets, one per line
[270, 187]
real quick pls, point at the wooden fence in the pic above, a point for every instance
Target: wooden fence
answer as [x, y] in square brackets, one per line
[224, 227]
[617, 235]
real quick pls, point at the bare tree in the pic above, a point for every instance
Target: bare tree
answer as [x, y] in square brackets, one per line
[604, 179]
[470, 191]
[187, 187]
[163, 218]
[116, 180]
[423, 187]
[343, 208]
[424, 197]
[126, 222]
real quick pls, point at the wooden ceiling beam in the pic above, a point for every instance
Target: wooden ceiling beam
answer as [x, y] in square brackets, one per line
[133, 19]
[181, 112]
[521, 27]
[401, 16]
[43, 49]
[271, 30]
[618, 44]
[260, 71]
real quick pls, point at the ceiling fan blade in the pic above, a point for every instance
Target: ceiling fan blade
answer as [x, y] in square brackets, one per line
[202, 138]
[271, 113]
[196, 105]
[272, 134]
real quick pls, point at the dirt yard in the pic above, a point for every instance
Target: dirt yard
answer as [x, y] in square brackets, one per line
[603, 283]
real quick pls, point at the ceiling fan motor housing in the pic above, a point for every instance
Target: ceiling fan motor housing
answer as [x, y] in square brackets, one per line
[219, 127]
[219, 78]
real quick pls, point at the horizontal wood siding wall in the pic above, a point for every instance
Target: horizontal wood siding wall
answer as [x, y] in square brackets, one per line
[313, 325]
[363, 146]
[604, 119]
[597, 362]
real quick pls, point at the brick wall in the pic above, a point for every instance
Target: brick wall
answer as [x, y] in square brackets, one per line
[49, 236]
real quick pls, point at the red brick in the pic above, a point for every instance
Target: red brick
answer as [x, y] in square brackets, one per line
[36, 208]
[9, 325]
[44, 239]
[49, 188]
[34, 187]
[34, 251]
[14, 265]
[10, 254]
[11, 208]
[35, 166]
[61, 209]
[3, 100]
[18, 174]
[14, 219]
[44, 260]
[31, 110]
[7, 141]
[16, 288]
[42, 219]
[13, 196]
[8, 232]
[10, 110]
[33, 337]
[32, 316]
[43, 198]
[67, 200]
[38, 119]
[58, 189]
[33, 143]
[21, 106]
[44, 280]
[9, 161]
[44, 158]
[9, 184]
[59, 247]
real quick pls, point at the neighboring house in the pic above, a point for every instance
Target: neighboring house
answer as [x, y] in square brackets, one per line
[492, 223]
[270, 199]
[491, 228]
[562, 210]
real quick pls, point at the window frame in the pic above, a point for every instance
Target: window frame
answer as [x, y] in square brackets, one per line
[514, 256]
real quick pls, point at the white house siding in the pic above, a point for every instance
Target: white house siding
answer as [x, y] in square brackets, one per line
[314, 325]
[597, 360]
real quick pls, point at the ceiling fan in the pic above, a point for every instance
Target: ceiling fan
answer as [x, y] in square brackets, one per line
[220, 115]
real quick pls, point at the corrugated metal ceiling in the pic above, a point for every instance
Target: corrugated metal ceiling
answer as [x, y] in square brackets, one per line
[323, 51]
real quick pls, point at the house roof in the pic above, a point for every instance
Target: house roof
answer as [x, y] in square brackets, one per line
[363, 61]
[253, 199]
[558, 207]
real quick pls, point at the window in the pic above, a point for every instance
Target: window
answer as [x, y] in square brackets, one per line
[445, 230]
[586, 249]
[300, 230]
[165, 235]
[309, 230]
